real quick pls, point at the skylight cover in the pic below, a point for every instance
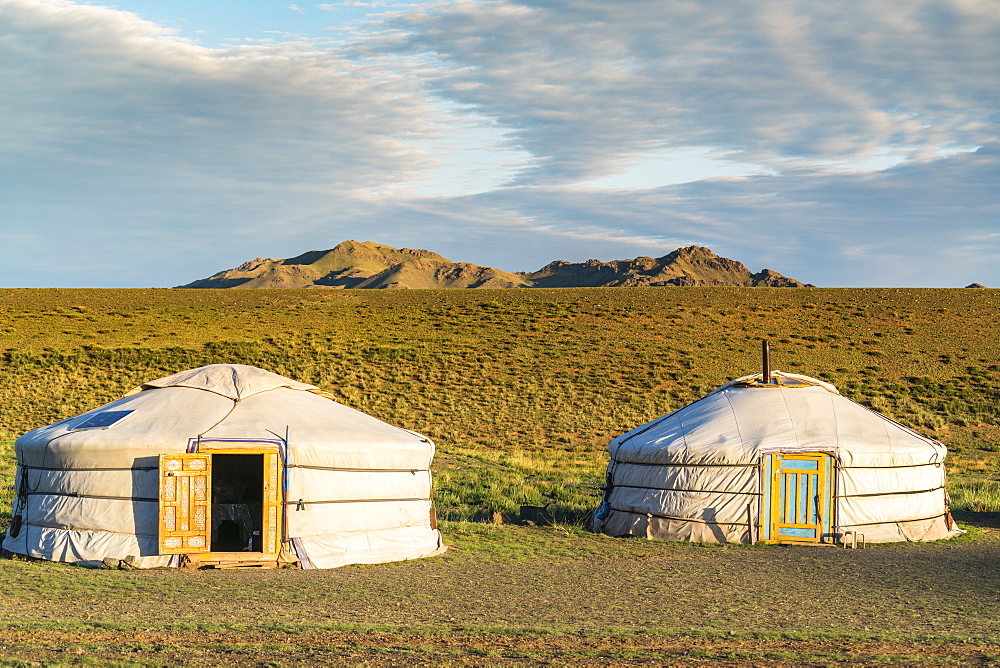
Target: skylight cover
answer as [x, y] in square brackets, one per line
[103, 420]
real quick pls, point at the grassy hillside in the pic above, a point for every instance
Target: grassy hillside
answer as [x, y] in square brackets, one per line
[522, 389]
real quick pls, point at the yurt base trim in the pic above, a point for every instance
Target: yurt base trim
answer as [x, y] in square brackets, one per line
[661, 527]
[901, 493]
[917, 519]
[939, 527]
[343, 469]
[678, 519]
[298, 504]
[691, 491]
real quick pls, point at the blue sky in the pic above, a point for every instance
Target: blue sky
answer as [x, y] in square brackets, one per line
[227, 23]
[149, 143]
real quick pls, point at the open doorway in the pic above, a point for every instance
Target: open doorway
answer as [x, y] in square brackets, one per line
[222, 505]
[237, 495]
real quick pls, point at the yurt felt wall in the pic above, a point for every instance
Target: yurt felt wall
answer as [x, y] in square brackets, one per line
[357, 490]
[701, 472]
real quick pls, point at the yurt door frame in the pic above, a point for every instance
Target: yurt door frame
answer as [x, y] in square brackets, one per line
[797, 503]
[186, 505]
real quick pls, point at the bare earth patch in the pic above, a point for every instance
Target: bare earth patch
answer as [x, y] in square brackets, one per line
[530, 596]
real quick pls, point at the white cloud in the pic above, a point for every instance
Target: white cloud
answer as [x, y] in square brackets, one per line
[587, 85]
[666, 167]
[365, 4]
[508, 133]
[102, 89]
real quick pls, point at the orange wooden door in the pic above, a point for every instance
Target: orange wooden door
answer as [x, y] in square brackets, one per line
[185, 503]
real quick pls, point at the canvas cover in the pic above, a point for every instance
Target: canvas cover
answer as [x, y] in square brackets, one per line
[695, 474]
[358, 489]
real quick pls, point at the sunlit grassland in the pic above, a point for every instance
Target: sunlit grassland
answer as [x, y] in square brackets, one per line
[522, 389]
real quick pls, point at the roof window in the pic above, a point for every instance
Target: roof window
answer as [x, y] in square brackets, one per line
[103, 420]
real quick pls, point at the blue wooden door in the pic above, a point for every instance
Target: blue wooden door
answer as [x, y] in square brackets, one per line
[798, 498]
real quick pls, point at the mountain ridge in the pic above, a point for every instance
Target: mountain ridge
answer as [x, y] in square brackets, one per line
[369, 265]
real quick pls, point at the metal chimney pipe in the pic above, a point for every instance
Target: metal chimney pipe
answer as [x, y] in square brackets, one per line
[765, 351]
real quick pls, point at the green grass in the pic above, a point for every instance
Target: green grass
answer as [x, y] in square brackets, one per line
[520, 389]
[975, 495]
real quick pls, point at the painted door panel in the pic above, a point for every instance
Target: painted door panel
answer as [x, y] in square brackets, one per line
[185, 503]
[271, 518]
[798, 498]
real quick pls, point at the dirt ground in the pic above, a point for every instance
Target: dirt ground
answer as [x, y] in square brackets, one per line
[357, 648]
[529, 596]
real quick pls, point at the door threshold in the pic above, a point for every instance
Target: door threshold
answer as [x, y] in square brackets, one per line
[232, 560]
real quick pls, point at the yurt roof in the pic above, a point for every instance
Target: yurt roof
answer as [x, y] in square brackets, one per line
[233, 381]
[226, 402]
[744, 418]
[779, 379]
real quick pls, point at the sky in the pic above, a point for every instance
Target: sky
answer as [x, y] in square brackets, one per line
[150, 143]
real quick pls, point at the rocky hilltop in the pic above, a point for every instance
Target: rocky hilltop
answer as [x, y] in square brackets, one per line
[354, 264]
[693, 265]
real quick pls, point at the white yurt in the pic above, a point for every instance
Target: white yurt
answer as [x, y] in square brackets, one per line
[775, 457]
[224, 465]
